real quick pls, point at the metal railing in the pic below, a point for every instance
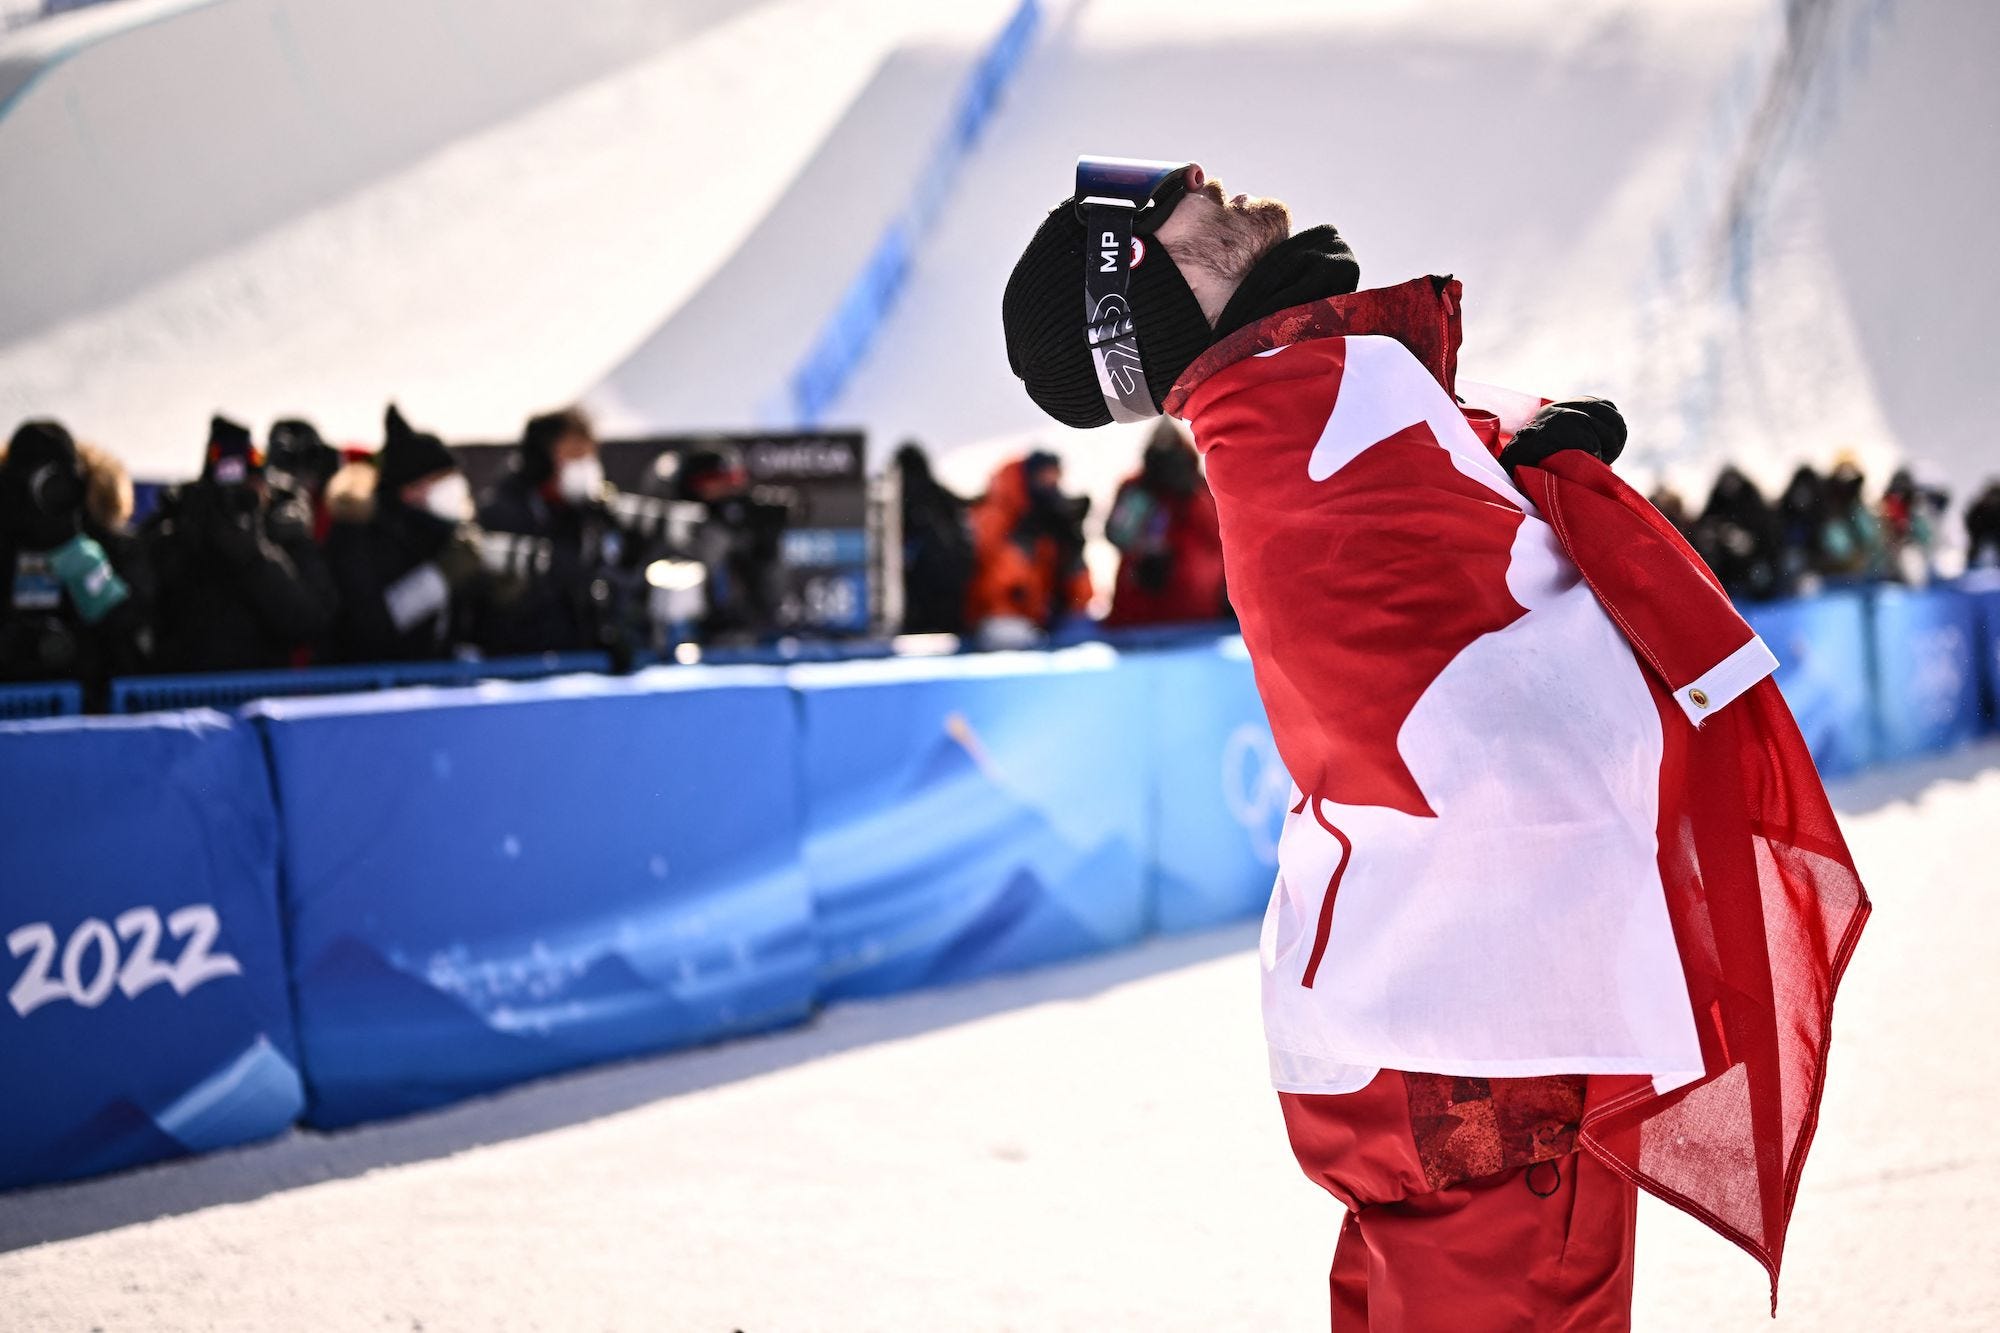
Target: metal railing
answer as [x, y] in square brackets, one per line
[145, 694]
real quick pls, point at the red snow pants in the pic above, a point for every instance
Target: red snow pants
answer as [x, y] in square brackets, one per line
[1469, 1207]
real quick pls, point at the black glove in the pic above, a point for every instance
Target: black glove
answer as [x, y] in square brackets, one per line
[1590, 424]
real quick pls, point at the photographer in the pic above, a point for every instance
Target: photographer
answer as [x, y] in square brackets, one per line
[1741, 540]
[408, 565]
[557, 495]
[1911, 517]
[1169, 544]
[298, 460]
[739, 544]
[937, 547]
[73, 585]
[1028, 537]
[242, 586]
[1982, 529]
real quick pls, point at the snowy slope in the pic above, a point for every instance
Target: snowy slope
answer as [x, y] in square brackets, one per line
[1574, 163]
[499, 272]
[1763, 235]
[152, 135]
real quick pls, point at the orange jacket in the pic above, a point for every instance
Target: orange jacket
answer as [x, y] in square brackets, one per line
[1019, 571]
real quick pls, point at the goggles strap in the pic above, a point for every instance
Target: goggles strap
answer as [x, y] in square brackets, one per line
[1107, 305]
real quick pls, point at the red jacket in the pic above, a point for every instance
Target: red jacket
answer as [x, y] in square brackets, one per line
[1374, 550]
[1183, 529]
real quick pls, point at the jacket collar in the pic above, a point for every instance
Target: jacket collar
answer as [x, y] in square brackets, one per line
[1422, 314]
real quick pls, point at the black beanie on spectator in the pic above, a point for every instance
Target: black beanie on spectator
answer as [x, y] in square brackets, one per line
[1042, 311]
[407, 455]
[41, 485]
[41, 443]
[233, 457]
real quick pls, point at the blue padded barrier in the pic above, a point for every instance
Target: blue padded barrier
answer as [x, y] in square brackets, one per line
[1220, 791]
[1927, 669]
[146, 1009]
[483, 886]
[1983, 587]
[972, 815]
[51, 698]
[1824, 670]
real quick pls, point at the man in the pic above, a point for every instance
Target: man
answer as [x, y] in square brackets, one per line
[412, 585]
[74, 586]
[740, 544]
[1169, 548]
[298, 460]
[556, 493]
[937, 546]
[1028, 573]
[1561, 906]
[242, 586]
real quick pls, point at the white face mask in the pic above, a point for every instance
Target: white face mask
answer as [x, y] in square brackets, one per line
[581, 480]
[450, 498]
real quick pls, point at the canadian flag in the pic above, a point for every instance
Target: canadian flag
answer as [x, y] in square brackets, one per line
[1550, 815]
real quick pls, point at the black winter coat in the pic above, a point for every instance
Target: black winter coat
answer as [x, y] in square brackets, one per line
[409, 589]
[43, 638]
[558, 611]
[241, 586]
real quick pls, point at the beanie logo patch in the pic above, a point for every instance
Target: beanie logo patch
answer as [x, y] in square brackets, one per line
[1138, 252]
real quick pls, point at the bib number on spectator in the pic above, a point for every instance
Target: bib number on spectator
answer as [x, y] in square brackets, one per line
[87, 967]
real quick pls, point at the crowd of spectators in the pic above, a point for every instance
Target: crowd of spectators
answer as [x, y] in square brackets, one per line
[1008, 569]
[1823, 530]
[298, 553]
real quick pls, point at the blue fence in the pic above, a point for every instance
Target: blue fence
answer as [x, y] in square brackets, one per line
[968, 816]
[1825, 668]
[43, 699]
[408, 896]
[536, 877]
[146, 1009]
[1926, 670]
[1222, 803]
[1986, 600]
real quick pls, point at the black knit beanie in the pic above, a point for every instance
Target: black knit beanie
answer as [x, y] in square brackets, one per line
[407, 455]
[1042, 311]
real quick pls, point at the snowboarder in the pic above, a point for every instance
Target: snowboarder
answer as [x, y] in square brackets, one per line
[1561, 906]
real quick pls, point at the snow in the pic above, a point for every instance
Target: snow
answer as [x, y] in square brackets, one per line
[500, 274]
[1087, 1147]
[1572, 163]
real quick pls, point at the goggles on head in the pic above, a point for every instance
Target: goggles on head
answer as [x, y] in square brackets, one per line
[1118, 198]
